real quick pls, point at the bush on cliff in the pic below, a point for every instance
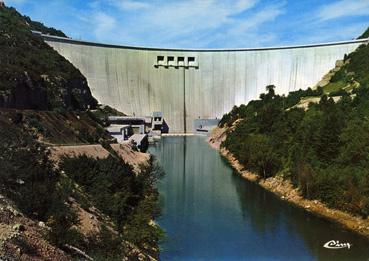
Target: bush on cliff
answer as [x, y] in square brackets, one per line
[28, 178]
[129, 199]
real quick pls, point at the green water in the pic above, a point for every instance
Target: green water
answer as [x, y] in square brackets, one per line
[211, 213]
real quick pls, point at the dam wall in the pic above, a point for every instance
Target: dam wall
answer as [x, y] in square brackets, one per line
[189, 84]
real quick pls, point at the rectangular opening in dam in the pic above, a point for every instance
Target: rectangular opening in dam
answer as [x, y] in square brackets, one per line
[176, 61]
[171, 61]
[160, 60]
[191, 61]
[181, 61]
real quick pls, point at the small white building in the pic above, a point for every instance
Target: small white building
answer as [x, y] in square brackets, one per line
[120, 132]
[140, 125]
[140, 141]
[158, 123]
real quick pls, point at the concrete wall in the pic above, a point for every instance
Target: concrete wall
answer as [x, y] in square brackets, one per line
[127, 79]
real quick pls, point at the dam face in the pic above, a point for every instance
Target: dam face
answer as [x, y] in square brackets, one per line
[189, 84]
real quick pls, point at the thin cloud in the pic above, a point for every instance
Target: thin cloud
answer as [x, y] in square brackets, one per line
[344, 8]
[130, 4]
[194, 23]
[180, 17]
[246, 32]
[105, 24]
[254, 21]
[337, 34]
[202, 23]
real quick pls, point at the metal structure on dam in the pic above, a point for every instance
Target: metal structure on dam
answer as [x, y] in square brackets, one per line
[190, 84]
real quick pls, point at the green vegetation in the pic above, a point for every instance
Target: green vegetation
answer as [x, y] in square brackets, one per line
[28, 178]
[102, 113]
[127, 198]
[32, 74]
[53, 127]
[50, 102]
[352, 74]
[244, 111]
[323, 149]
[333, 87]
[44, 193]
[40, 27]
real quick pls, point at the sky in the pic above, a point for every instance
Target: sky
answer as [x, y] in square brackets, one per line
[202, 23]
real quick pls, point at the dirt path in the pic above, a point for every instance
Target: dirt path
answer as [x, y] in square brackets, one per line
[125, 151]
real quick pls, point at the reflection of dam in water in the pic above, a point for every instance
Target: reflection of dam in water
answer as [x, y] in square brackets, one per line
[188, 84]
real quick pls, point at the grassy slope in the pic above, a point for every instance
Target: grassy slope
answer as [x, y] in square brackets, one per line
[353, 73]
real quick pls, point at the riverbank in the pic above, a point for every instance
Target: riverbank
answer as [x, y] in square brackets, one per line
[285, 190]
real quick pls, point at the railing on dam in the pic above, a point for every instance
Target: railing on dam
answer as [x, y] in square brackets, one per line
[48, 37]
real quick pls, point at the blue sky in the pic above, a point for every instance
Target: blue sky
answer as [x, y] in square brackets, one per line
[202, 23]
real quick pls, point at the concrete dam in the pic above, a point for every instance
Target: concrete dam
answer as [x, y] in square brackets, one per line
[188, 84]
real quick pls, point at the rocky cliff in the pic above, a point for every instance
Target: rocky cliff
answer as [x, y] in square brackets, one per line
[32, 74]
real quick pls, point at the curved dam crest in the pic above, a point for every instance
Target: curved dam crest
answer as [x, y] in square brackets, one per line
[188, 84]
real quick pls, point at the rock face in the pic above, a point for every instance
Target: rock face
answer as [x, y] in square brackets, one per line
[22, 239]
[327, 78]
[32, 74]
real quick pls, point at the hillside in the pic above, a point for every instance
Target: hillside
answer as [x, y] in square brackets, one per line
[99, 206]
[32, 74]
[40, 27]
[57, 128]
[349, 74]
[321, 147]
[66, 191]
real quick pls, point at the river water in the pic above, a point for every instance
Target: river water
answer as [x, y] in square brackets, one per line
[211, 213]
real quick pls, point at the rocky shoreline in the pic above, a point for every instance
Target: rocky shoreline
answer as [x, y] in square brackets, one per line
[285, 191]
